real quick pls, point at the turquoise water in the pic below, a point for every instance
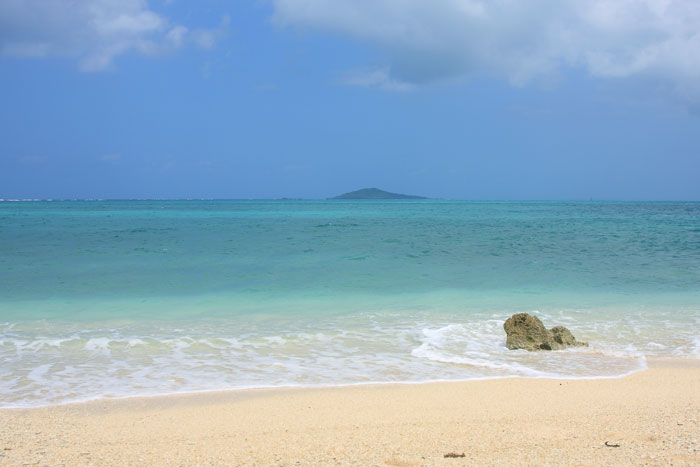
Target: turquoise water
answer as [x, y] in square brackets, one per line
[120, 298]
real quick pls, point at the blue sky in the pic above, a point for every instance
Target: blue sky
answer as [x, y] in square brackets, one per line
[471, 99]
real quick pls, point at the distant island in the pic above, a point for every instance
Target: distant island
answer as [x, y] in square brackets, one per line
[375, 193]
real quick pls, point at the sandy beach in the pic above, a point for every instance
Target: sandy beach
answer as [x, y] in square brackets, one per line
[648, 418]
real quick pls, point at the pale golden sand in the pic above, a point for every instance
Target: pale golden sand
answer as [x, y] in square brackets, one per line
[654, 416]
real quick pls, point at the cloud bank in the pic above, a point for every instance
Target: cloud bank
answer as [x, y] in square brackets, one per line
[94, 32]
[425, 41]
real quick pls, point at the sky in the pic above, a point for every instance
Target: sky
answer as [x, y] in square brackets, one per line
[242, 99]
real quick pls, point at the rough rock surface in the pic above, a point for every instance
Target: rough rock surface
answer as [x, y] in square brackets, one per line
[527, 332]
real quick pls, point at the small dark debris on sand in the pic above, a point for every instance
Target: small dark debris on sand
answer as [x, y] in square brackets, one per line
[611, 445]
[454, 454]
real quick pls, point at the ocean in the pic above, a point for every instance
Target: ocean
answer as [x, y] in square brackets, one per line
[108, 299]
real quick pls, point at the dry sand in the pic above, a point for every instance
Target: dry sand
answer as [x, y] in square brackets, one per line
[654, 417]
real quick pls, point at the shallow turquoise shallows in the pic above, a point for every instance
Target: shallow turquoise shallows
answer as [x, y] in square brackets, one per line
[123, 298]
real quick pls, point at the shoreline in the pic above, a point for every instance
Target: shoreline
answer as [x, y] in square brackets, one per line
[654, 415]
[283, 388]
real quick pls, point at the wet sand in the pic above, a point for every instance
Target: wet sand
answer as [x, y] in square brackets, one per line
[651, 417]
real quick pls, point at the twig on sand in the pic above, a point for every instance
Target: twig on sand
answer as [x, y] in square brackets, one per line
[611, 445]
[454, 454]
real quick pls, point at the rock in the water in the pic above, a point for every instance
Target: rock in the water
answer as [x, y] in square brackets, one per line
[527, 332]
[563, 336]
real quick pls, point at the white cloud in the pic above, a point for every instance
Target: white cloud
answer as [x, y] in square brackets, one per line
[176, 36]
[206, 38]
[520, 40]
[375, 77]
[94, 32]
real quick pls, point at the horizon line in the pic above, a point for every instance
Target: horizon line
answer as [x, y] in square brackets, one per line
[29, 200]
